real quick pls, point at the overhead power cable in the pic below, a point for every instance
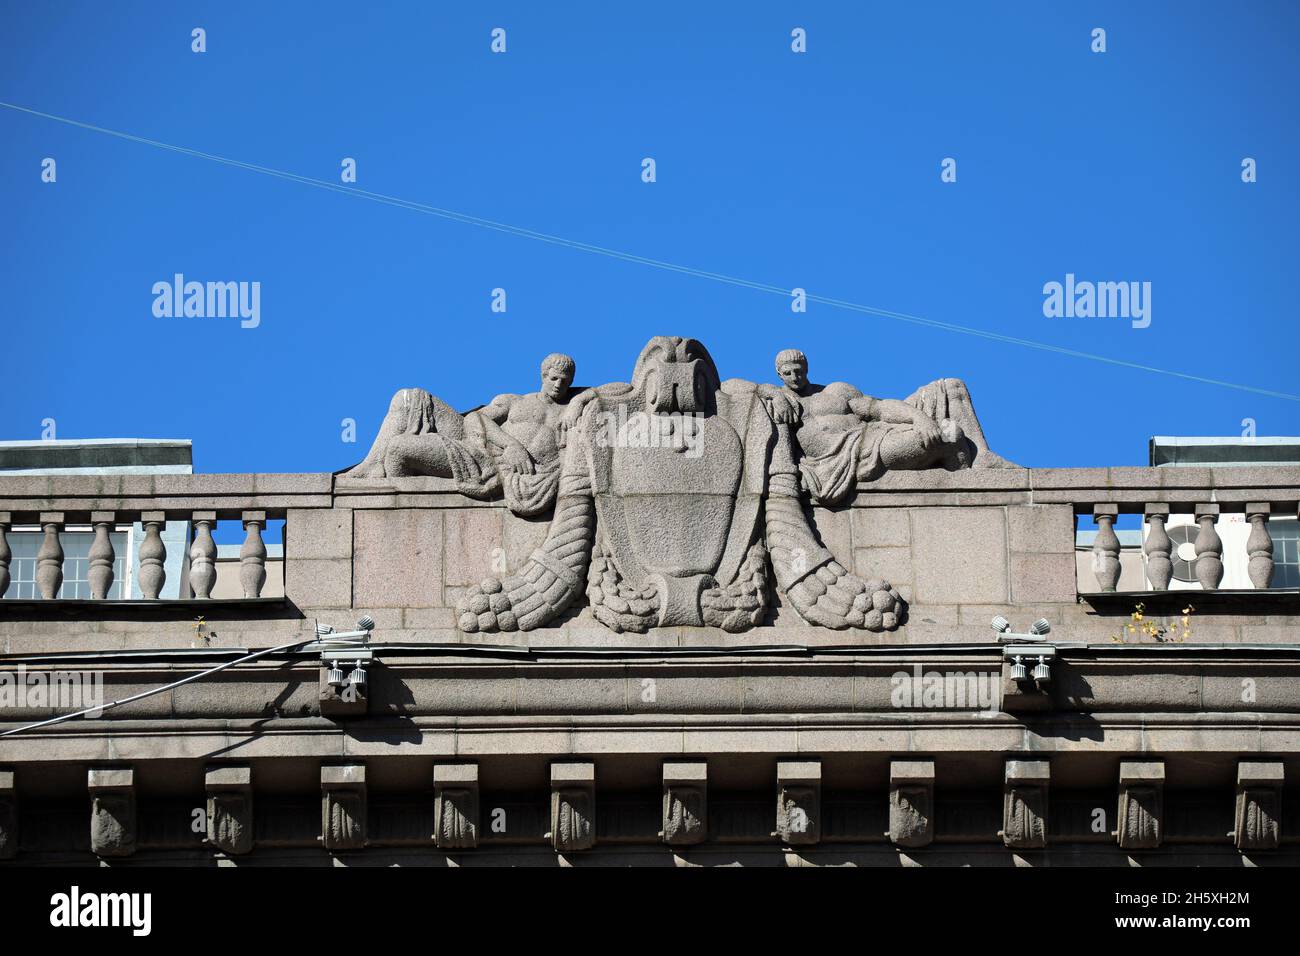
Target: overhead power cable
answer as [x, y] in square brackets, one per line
[96, 711]
[587, 247]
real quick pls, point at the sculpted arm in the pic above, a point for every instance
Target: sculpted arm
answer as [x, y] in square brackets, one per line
[894, 412]
[782, 405]
[498, 410]
[553, 575]
[577, 405]
[821, 589]
[866, 408]
[515, 457]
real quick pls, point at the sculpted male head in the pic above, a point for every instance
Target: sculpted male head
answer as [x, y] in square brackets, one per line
[557, 375]
[792, 366]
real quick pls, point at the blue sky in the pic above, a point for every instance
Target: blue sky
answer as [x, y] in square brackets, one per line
[819, 170]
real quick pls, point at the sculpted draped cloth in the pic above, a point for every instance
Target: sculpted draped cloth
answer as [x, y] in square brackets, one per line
[471, 454]
[855, 455]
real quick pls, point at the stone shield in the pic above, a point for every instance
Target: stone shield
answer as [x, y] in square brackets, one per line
[671, 477]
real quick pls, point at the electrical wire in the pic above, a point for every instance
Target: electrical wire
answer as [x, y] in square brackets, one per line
[158, 690]
[533, 234]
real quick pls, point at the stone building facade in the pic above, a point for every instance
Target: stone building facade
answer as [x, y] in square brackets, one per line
[707, 661]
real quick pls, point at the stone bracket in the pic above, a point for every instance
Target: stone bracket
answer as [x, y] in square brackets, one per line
[573, 806]
[456, 806]
[911, 802]
[230, 808]
[1258, 817]
[799, 802]
[8, 815]
[1141, 804]
[1024, 804]
[343, 806]
[685, 810]
[113, 811]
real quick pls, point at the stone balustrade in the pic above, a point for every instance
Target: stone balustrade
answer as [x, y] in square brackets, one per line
[395, 543]
[151, 551]
[1158, 548]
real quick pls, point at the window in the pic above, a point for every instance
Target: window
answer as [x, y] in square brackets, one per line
[1286, 553]
[76, 564]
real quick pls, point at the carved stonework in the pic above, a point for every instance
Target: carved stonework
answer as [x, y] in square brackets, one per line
[1105, 547]
[100, 573]
[1141, 804]
[49, 559]
[742, 462]
[1209, 547]
[153, 555]
[112, 813]
[343, 807]
[252, 554]
[799, 802]
[847, 438]
[911, 802]
[1024, 804]
[8, 816]
[230, 808]
[1157, 547]
[203, 555]
[456, 806]
[1258, 817]
[733, 456]
[1259, 546]
[573, 806]
[685, 812]
[510, 448]
[6, 555]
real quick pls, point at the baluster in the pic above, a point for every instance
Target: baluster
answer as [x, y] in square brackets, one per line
[252, 555]
[101, 555]
[1105, 549]
[203, 555]
[5, 554]
[1259, 546]
[1209, 548]
[1157, 547]
[152, 555]
[49, 559]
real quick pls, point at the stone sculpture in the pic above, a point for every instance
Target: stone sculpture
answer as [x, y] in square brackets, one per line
[510, 448]
[697, 556]
[679, 499]
[847, 437]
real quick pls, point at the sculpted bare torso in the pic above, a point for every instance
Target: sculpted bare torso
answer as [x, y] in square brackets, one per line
[827, 412]
[532, 420]
[520, 434]
[822, 414]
